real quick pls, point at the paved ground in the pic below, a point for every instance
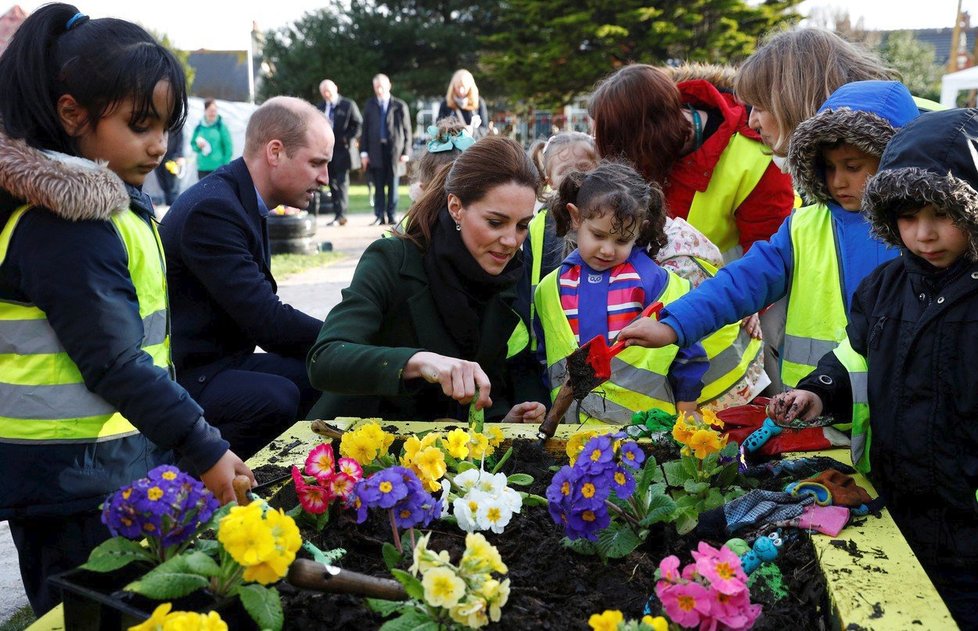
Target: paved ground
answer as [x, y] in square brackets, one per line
[313, 291]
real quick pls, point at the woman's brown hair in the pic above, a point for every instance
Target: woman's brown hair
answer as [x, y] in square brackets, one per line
[492, 161]
[638, 116]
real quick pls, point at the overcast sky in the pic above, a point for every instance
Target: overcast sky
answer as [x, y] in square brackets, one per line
[225, 24]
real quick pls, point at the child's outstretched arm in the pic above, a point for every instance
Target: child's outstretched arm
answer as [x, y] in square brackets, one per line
[648, 332]
[686, 376]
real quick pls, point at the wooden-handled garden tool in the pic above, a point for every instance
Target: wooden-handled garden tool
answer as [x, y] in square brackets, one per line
[587, 368]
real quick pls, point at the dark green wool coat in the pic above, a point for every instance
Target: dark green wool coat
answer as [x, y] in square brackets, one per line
[387, 315]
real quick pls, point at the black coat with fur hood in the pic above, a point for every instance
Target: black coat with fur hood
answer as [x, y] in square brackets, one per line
[917, 325]
[66, 258]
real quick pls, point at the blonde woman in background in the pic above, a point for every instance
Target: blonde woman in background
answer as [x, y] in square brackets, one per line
[462, 100]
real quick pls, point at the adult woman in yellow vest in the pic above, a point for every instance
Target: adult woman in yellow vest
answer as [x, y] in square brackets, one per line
[88, 401]
[821, 253]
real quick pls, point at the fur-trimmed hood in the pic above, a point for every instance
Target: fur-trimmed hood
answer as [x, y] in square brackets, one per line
[933, 160]
[722, 77]
[72, 188]
[864, 114]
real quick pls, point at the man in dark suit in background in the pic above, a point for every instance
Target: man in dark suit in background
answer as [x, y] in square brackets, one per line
[344, 116]
[222, 293]
[385, 146]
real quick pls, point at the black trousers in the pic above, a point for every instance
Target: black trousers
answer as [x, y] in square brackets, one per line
[339, 188]
[253, 399]
[385, 180]
[51, 545]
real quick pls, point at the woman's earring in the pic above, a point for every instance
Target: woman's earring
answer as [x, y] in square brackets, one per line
[458, 226]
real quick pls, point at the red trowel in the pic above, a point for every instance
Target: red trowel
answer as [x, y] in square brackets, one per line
[587, 368]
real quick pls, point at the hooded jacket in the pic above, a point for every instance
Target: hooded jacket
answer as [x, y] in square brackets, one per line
[865, 114]
[66, 258]
[769, 199]
[917, 328]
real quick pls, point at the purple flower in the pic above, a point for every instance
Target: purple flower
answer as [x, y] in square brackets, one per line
[390, 487]
[592, 489]
[597, 455]
[562, 485]
[355, 500]
[623, 483]
[587, 521]
[631, 455]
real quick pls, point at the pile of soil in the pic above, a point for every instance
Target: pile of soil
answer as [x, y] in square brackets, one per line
[551, 586]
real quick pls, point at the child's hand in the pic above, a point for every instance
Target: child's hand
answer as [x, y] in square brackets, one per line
[648, 332]
[458, 378]
[793, 404]
[689, 408]
[528, 412]
[218, 479]
[752, 324]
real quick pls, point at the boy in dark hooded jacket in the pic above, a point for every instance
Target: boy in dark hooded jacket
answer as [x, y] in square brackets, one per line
[910, 353]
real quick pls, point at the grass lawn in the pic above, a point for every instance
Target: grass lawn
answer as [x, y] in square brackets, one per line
[285, 265]
[360, 202]
[22, 619]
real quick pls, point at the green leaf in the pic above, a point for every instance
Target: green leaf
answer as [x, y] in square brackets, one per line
[529, 499]
[686, 521]
[115, 553]
[263, 605]
[689, 466]
[616, 541]
[727, 476]
[386, 607]
[713, 499]
[730, 450]
[169, 580]
[695, 488]
[465, 465]
[411, 585]
[502, 461]
[661, 508]
[410, 620]
[295, 512]
[650, 473]
[580, 546]
[200, 563]
[519, 479]
[674, 472]
[209, 547]
[392, 558]
[218, 515]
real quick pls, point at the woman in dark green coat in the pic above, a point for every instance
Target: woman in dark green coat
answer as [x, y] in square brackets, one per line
[426, 321]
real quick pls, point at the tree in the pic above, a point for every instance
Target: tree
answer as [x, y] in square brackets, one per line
[418, 43]
[915, 61]
[548, 51]
[182, 56]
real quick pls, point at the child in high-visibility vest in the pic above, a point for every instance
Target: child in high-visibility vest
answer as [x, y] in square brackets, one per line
[906, 370]
[821, 252]
[605, 283]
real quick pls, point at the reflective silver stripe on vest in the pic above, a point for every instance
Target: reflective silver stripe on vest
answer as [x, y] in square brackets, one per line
[625, 375]
[729, 358]
[859, 381]
[46, 402]
[805, 350]
[601, 408]
[66, 441]
[36, 337]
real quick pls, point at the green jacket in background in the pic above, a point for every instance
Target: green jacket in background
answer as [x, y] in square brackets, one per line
[387, 315]
[219, 138]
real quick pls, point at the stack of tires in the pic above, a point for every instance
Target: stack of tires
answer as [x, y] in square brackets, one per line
[292, 234]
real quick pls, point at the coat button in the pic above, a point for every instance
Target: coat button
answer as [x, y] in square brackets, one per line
[922, 297]
[825, 379]
[940, 300]
[201, 379]
[974, 275]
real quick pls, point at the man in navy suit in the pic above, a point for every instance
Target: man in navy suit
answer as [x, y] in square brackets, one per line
[344, 115]
[222, 293]
[385, 146]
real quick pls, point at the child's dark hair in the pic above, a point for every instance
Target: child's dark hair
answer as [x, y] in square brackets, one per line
[429, 163]
[59, 51]
[614, 187]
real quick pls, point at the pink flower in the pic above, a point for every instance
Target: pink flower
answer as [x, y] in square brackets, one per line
[313, 499]
[669, 569]
[685, 604]
[320, 462]
[352, 468]
[721, 568]
[734, 612]
[341, 484]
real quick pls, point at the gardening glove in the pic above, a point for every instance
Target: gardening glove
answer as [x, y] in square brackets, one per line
[755, 509]
[797, 467]
[844, 490]
[828, 520]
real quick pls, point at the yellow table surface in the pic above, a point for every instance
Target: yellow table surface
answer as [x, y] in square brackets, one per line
[874, 580]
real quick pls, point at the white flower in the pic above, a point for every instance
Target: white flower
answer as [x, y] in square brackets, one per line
[493, 514]
[465, 511]
[467, 480]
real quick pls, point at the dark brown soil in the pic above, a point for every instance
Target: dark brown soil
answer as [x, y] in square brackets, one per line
[552, 587]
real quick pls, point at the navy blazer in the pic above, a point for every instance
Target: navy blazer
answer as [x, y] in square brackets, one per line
[222, 293]
[398, 124]
[346, 128]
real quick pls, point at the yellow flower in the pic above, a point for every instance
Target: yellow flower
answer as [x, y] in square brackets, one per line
[681, 431]
[155, 621]
[358, 447]
[478, 551]
[470, 612]
[496, 594]
[458, 443]
[430, 440]
[710, 418]
[442, 587]
[658, 623]
[411, 447]
[705, 442]
[431, 462]
[576, 443]
[495, 436]
[606, 621]
[265, 546]
[479, 446]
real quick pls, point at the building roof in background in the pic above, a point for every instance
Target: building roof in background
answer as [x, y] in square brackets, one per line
[9, 23]
[940, 39]
[220, 74]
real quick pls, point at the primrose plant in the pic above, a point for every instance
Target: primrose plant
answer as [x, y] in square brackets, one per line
[609, 496]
